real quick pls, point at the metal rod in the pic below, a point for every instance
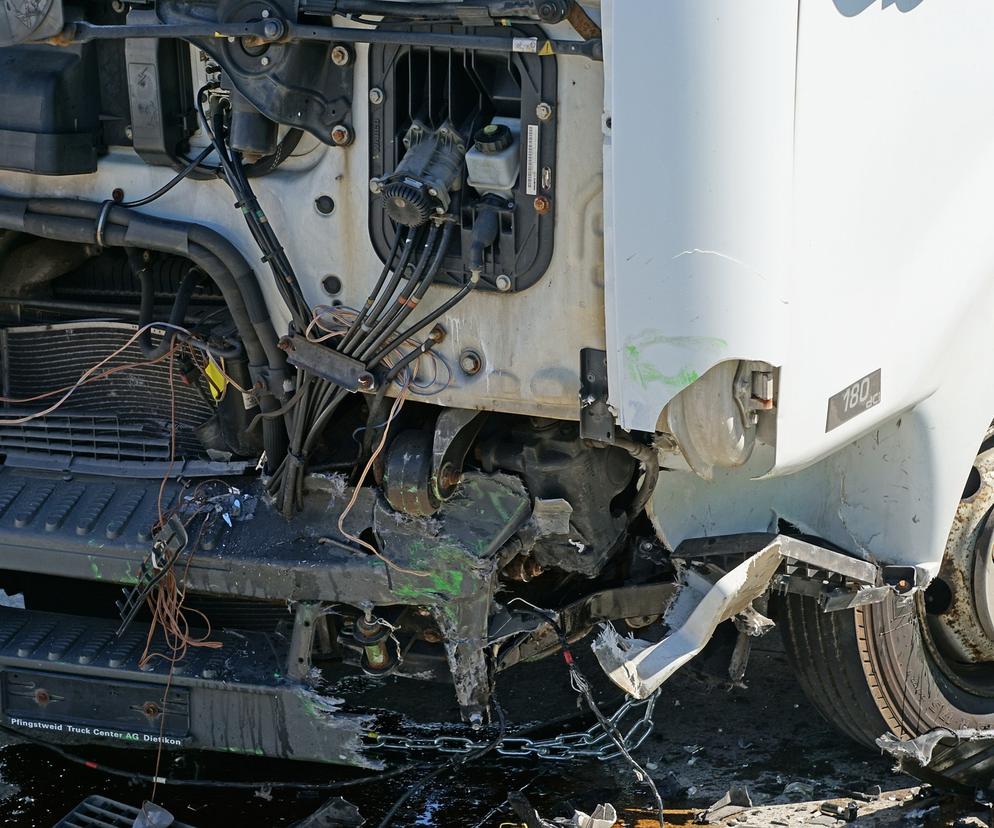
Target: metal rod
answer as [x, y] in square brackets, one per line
[83, 32]
[66, 306]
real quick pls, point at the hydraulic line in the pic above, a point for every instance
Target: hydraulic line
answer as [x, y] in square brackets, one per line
[396, 314]
[391, 257]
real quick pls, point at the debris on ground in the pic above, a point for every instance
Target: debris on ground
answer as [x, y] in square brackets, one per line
[735, 801]
[847, 812]
[335, 813]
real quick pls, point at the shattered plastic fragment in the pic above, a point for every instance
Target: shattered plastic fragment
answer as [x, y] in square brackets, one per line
[603, 816]
[920, 749]
[639, 667]
[153, 816]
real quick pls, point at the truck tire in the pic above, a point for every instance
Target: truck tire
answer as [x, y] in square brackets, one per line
[876, 669]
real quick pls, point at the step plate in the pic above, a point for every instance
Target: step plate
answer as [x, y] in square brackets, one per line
[142, 713]
[70, 679]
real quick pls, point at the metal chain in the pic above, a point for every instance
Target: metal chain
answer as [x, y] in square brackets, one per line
[592, 743]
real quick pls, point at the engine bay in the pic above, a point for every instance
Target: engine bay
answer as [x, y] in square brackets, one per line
[343, 425]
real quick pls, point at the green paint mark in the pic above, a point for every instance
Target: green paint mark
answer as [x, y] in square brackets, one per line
[644, 372]
[95, 570]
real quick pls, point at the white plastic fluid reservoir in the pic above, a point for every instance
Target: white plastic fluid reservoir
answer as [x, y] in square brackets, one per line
[493, 160]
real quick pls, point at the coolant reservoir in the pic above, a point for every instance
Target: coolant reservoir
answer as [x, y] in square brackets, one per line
[493, 161]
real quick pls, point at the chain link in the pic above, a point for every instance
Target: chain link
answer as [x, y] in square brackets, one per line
[592, 743]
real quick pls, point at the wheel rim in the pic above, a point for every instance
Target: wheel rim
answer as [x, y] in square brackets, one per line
[957, 610]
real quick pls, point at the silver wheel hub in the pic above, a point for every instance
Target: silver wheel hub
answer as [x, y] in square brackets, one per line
[960, 602]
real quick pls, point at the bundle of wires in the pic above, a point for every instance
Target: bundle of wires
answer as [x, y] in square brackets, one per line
[372, 335]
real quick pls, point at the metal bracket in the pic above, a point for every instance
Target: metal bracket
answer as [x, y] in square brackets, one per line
[455, 430]
[596, 419]
[302, 639]
[327, 363]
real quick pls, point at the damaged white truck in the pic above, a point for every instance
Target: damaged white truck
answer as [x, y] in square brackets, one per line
[376, 338]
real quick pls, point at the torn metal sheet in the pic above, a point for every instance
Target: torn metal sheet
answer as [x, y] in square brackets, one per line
[920, 750]
[640, 667]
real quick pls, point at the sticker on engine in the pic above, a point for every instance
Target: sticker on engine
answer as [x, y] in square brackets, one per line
[531, 160]
[854, 399]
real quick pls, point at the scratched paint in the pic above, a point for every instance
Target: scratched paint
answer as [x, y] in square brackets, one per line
[645, 371]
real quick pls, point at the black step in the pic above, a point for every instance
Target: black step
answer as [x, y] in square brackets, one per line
[67, 678]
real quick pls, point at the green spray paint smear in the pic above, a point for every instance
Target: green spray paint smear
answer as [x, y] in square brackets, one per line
[644, 372]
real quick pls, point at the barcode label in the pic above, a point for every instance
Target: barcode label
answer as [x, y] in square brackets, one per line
[531, 160]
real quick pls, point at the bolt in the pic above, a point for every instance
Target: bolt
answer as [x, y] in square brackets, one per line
[150, 709]
[431, 636]
[340, 56]
[285, 344]
[470, 362]
[542, 205]
[437, 334]
[365, 382]
[543, 111]
[265, 13]
[117, 6]
[432, 192]
[271, 29]
[440, 211]
[449, 476]
[129, 133]
[117, 194]
[264, 60]
[503, 283]
[341, 134]
[476, 720]
[375, 186]
[231, 39]
[376, 96]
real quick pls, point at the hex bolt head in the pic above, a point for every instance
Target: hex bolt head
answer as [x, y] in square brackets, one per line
[542, 205]
[265, 13]
[340, 55]
[470, 362]
[543, 111]
[503, 283]
[366, 382]
[342, 135]
[376, 96]
[264, 60]
[375, 186]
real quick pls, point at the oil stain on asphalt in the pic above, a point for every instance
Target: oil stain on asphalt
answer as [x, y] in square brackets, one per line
[764, 737]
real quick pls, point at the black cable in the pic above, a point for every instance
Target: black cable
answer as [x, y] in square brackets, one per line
[165, 188]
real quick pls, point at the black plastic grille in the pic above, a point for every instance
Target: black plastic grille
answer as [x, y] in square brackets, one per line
[125, 416]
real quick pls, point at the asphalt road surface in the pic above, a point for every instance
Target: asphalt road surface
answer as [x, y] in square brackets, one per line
[764, 737]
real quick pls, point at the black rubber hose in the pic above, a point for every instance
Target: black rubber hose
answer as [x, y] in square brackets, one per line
[414, 299]
[647, 456]
[181, 303]
[350, 333]
[235, 278]
[394, 316]
[75, 221]
[350, 346]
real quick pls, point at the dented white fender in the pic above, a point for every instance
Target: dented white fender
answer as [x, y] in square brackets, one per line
[773, 194]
